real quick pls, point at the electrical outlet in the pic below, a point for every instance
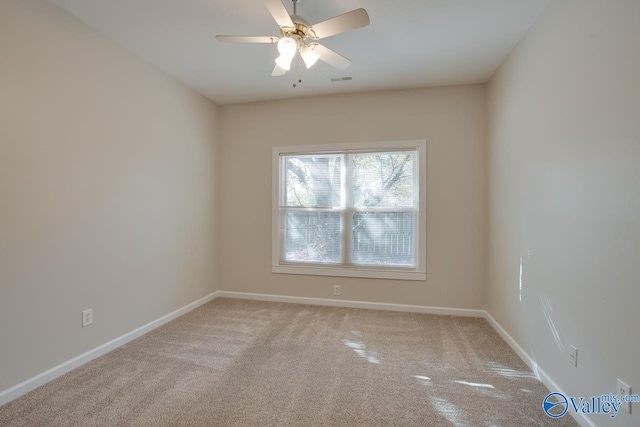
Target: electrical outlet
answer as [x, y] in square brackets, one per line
[336, 290]
[87, 317]
[623, 388]
[573, 355]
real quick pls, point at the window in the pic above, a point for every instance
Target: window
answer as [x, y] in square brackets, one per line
[355, 210]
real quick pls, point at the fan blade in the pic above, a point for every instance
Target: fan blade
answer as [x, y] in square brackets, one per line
[330, 57]
[349, 21]
[278, 71]
[247, 39]
[279, 13]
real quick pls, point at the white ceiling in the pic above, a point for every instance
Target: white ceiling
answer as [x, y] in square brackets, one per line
[410, 43]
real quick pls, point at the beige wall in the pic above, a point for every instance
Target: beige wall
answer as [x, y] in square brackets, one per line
[564, 162]
[451, 119]
[107, 186]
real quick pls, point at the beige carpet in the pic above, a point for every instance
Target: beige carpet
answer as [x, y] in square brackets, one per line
[247, 363]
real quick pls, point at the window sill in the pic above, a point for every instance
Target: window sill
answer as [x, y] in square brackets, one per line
[349, 272]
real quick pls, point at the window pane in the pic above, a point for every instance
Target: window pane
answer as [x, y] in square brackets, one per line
[312, 237]
[383, 180]
[382, 238]
[313, 181]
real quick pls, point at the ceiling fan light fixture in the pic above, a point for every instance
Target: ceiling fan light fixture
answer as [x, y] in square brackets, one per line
[295, 30]
[309, 56]
[284, 62]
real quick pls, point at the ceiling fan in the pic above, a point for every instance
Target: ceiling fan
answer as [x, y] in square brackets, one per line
[299, 36]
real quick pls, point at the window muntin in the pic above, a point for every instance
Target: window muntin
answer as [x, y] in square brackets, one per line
[350, 212]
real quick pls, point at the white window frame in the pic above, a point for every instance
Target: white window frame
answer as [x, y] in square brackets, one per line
[419, 272]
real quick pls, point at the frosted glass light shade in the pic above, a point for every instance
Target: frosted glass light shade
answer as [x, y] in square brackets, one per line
[284, 61]
[287, 46]
[309, 56]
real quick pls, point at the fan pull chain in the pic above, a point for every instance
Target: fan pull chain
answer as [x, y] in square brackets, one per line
[296, 68]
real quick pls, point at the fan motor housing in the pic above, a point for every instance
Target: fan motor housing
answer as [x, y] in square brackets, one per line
[301, 28]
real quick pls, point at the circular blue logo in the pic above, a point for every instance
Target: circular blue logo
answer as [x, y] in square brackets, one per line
[555, 405]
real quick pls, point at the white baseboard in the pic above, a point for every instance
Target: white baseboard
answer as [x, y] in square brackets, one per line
[354, 304]
[53, 373]
[581, 418]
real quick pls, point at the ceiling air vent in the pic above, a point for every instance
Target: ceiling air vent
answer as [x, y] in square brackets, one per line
[341, 79]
